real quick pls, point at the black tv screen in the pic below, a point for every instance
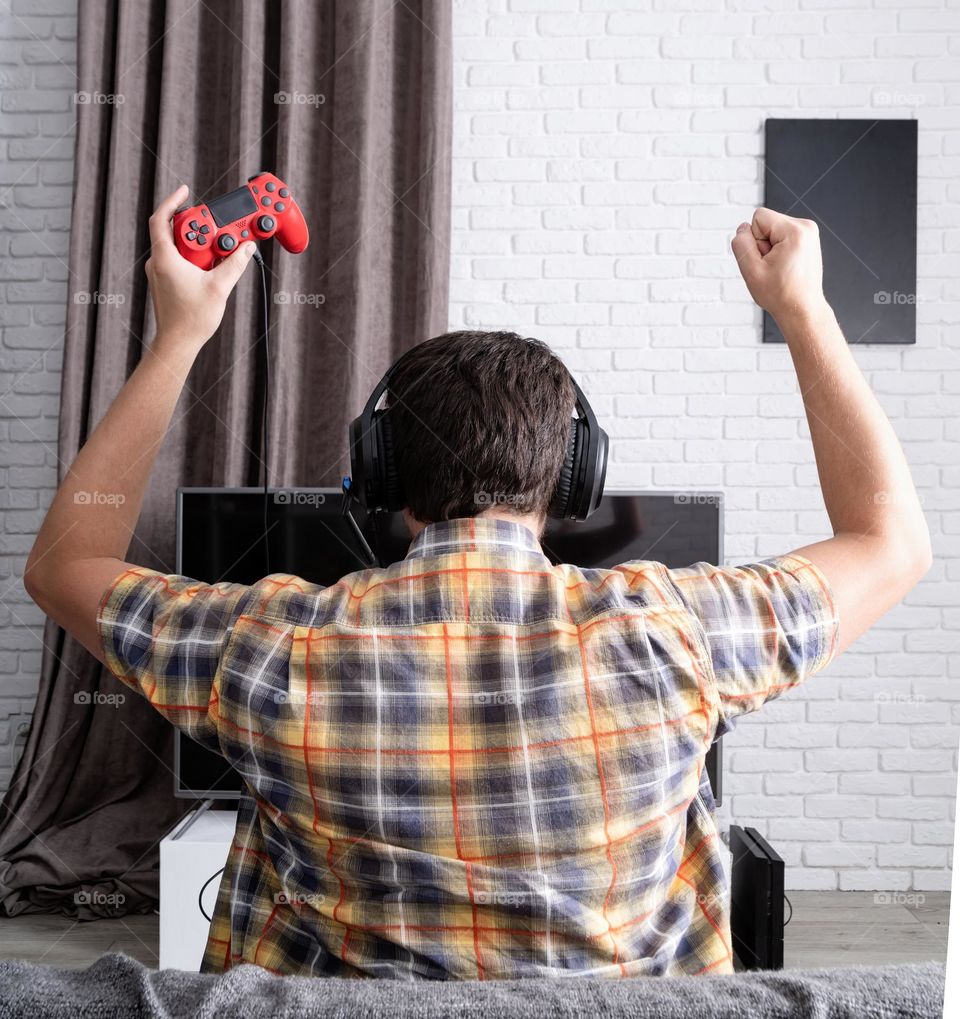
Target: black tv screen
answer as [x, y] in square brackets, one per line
[220, 536]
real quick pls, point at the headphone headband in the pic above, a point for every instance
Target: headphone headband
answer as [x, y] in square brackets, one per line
[377, 485]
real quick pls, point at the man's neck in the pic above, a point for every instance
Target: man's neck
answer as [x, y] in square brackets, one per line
[532, 521]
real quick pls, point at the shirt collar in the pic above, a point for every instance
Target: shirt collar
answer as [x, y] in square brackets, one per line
[471, 534]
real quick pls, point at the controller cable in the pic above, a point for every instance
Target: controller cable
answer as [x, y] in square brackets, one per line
[264, 420]
[209, 919]
[373, 558]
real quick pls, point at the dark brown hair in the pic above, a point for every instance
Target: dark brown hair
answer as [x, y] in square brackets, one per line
[479, 419]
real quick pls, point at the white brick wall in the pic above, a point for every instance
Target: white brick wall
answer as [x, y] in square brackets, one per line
[37, 117]
[604, 152]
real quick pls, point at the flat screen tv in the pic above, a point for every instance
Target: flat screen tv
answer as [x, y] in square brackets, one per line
[220, 536]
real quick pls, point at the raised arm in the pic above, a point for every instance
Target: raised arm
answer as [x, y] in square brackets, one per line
[81, 546]
[880, 546]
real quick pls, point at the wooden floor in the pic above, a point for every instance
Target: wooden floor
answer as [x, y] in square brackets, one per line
[827, 929]
[852, 929]
[58, 941]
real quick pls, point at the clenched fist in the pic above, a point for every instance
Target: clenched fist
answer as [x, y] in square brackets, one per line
[779, 259]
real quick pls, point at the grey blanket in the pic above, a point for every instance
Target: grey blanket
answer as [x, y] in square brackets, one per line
[116, 985]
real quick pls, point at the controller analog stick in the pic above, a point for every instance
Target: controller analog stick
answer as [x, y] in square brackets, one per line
[266, 223]
[226, 242]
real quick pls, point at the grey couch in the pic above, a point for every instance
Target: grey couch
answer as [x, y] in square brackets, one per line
[116, 985]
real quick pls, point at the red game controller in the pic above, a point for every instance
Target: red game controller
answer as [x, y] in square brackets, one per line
[264, 207]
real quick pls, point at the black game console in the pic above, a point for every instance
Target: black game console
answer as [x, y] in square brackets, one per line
[756, 900]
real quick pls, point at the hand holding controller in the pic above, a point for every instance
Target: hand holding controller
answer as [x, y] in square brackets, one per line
[264, 207]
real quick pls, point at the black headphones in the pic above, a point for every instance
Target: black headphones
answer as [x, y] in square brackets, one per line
[376, 484]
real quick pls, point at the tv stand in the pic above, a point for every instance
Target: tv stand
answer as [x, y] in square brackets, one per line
[190, 854]
[191, 819]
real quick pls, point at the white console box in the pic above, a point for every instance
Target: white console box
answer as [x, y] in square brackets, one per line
[189, 855]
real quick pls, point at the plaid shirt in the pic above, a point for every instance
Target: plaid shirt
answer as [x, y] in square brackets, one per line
[472, 763]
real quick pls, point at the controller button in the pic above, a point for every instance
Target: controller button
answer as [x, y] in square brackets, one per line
[265, 200]
[191, 236]
[256, 190]
[201, 239]
[203, 212]
[270, 186]
[194, 225]
[266, 223]
[279, 206]
[244, 233]
[227, 243]
[284, 192]
[204, 229]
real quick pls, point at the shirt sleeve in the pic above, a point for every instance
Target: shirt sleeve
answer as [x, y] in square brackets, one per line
[767, 627]
[164, 635]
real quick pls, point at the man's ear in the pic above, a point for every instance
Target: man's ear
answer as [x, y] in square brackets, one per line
[414, 526]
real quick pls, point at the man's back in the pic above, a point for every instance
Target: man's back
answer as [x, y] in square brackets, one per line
[472, 764]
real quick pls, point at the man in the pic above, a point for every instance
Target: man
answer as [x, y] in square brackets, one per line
[472, 764]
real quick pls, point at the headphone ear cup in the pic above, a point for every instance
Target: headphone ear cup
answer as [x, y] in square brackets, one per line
[362, 463]
[390, 487]
[560, 503]
[356, 456]
[593, 474]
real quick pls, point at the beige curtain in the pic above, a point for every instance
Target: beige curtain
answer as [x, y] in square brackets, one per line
[348, 101]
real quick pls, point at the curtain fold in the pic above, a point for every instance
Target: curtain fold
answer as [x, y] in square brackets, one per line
[349, 102]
